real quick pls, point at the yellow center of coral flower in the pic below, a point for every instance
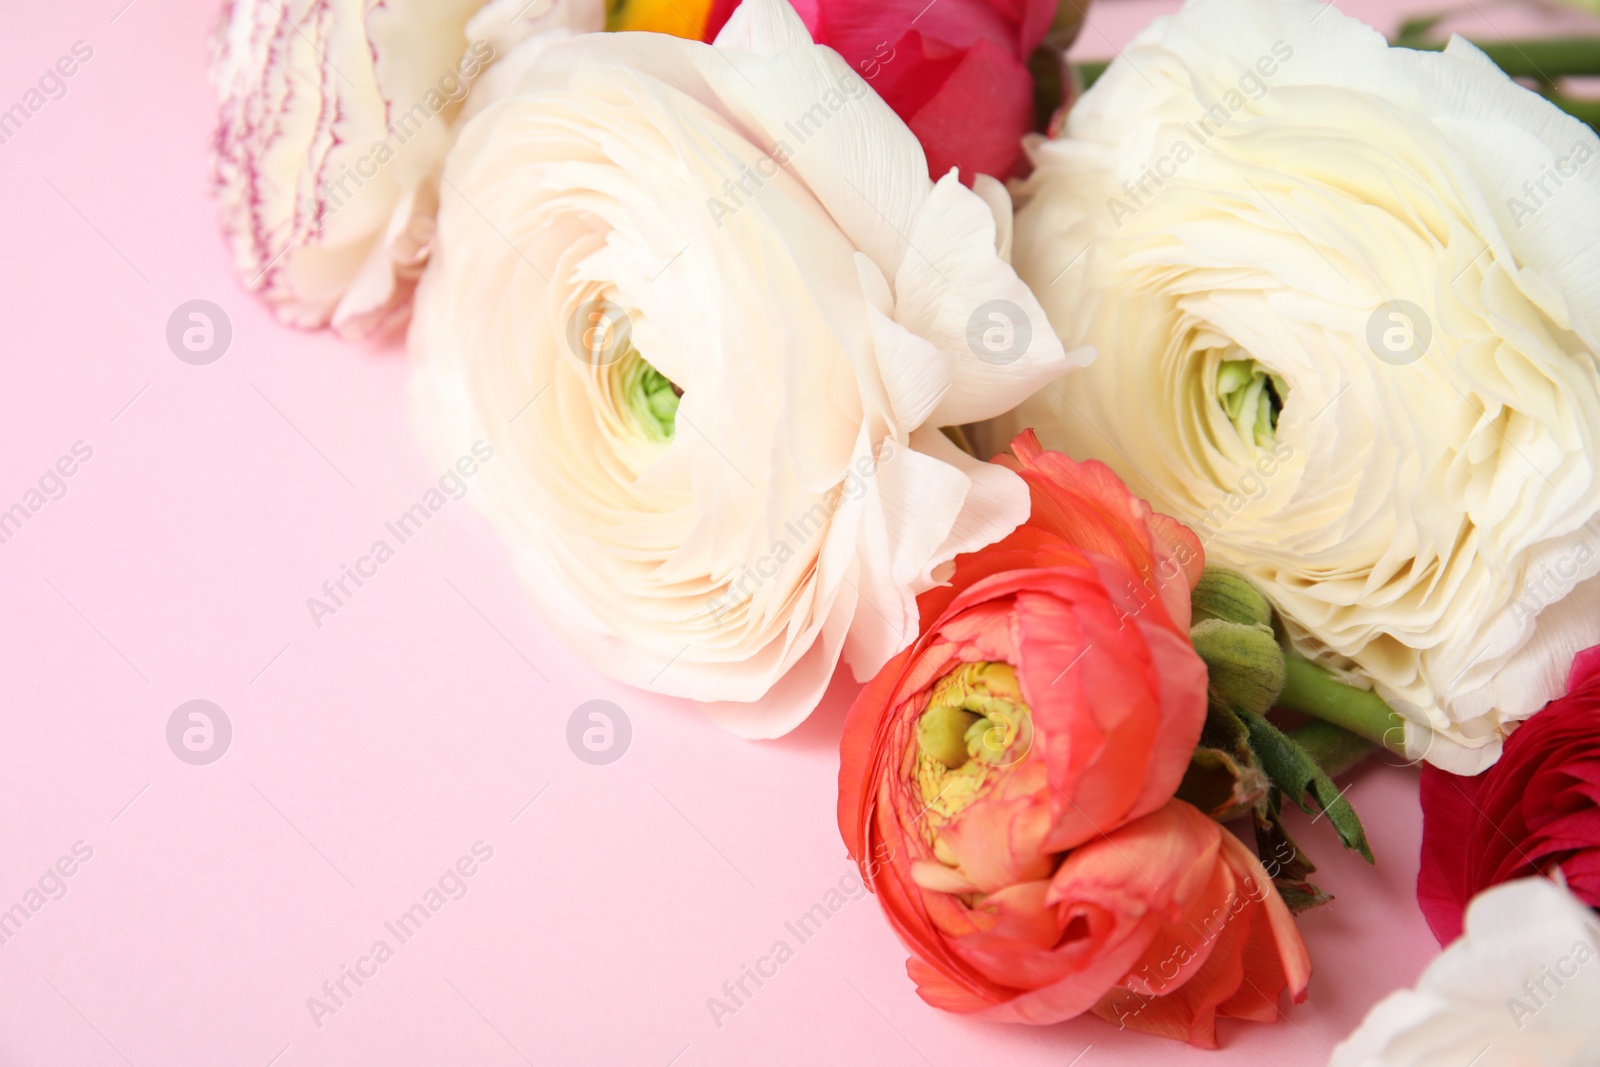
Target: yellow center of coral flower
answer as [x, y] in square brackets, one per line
[975, 727]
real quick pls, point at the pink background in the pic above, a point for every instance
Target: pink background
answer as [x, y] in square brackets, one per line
[424, 716]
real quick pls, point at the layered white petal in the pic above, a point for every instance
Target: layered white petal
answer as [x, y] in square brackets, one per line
[1260, 180]
[1518, 987]
[756, 226]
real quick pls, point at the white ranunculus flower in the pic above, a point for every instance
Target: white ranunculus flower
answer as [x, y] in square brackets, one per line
[711, 313]
[1347, 300]
[335, 119]
[1520, 987]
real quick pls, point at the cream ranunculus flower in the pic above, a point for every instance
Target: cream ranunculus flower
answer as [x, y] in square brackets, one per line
[335, 119]
[1347, 300]
[1519, 987]
[711, 313]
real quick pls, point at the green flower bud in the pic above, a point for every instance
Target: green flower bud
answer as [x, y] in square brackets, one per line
[1228, 595]
[1245, 663]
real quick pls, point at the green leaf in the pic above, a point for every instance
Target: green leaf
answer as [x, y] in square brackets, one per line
[1302, 896]
[1051, 82]
[1224, 730]
[1335, 749]
[1414, 31]
[1282, 857]
[1544, 58]
[1302, 781]
[1222, 785]
[1089, 70]
[1288, 866]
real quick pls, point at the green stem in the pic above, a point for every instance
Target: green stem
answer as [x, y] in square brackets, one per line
[1544, 58]
[1090, 70]
[1335, 749]
[1315, 691]
[1049, 69]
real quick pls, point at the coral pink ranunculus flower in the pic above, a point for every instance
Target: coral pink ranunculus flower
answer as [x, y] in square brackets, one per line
[1536, 810]
[955, 71]
[1011, 774]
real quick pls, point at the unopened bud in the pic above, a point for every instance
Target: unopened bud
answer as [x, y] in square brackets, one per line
[1244, 662]
[1228, 595]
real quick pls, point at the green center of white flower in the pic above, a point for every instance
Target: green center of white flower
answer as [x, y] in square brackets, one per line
[648, 396]
[1252, 398]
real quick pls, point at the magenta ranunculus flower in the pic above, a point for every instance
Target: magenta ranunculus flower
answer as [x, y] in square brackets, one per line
[955, 71]
[1535, 811]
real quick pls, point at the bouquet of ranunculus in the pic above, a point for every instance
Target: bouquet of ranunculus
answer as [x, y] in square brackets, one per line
[1019, 764]
[1284, 339]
